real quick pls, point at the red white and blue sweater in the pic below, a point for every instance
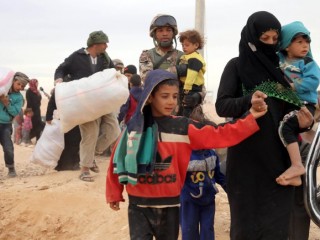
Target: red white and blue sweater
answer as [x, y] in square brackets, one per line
[176, 138]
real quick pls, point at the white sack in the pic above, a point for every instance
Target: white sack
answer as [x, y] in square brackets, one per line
[6, 77]
[87, 99]
[49, 147]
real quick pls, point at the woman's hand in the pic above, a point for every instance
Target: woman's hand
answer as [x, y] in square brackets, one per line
[305, 118]
[258, 105]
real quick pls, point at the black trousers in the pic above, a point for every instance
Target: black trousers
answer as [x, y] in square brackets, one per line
[147, 222]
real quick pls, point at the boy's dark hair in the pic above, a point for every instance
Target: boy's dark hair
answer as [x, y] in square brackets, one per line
[27, 110]
[130, 69]
[192, 36]
[170, 82]
[135, 80]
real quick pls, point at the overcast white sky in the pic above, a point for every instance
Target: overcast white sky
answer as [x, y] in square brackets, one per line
[37, 35]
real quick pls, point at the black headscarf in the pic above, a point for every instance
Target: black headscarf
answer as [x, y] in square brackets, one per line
[258, 62]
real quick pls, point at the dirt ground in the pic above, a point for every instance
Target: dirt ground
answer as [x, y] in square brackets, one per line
[40, 204]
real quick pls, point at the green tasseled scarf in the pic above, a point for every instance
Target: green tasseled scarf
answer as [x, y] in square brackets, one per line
[276, 90]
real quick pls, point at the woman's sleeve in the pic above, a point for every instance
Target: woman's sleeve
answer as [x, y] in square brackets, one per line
[230, 100]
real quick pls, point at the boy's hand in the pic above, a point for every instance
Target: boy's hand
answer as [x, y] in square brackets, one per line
[114, 206]
[258, 105]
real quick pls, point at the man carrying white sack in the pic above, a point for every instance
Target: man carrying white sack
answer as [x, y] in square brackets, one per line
[83, 63]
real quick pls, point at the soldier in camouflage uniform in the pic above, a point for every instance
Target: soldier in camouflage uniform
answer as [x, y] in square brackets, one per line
[163, 30]
[164, 55]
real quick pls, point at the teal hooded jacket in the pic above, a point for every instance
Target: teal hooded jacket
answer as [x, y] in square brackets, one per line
[304, 72]
[7, 113]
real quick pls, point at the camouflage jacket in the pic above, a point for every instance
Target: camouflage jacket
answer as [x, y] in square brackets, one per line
[149, 58]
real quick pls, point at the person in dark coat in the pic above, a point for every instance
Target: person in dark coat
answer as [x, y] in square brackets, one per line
[260, 208]
[33, 97]
[81, 64]
[69, 159]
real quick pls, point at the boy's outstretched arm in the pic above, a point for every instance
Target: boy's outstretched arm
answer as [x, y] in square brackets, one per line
[258, 105]
[230, 133]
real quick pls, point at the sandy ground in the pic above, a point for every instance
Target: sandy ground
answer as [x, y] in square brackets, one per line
[40, 204]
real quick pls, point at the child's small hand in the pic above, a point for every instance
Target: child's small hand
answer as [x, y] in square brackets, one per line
[114, 206]
[258, 105]
[305, 117]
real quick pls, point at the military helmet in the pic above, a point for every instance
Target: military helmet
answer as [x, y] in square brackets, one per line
[163, 20]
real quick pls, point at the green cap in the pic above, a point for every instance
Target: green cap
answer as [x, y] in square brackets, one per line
[97, 37]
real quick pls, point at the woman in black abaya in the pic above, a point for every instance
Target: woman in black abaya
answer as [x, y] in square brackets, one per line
[260, 208]
[33, 98]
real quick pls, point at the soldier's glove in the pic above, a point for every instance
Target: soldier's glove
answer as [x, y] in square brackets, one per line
[191, 99]
[182, 70]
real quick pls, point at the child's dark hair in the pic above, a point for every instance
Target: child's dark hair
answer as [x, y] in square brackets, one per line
[192, 36]
[304, 36]
[135, 80]
[170, 82]
[27, 110]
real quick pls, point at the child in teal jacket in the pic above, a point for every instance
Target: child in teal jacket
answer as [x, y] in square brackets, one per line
[10, 106]
[303, 74]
